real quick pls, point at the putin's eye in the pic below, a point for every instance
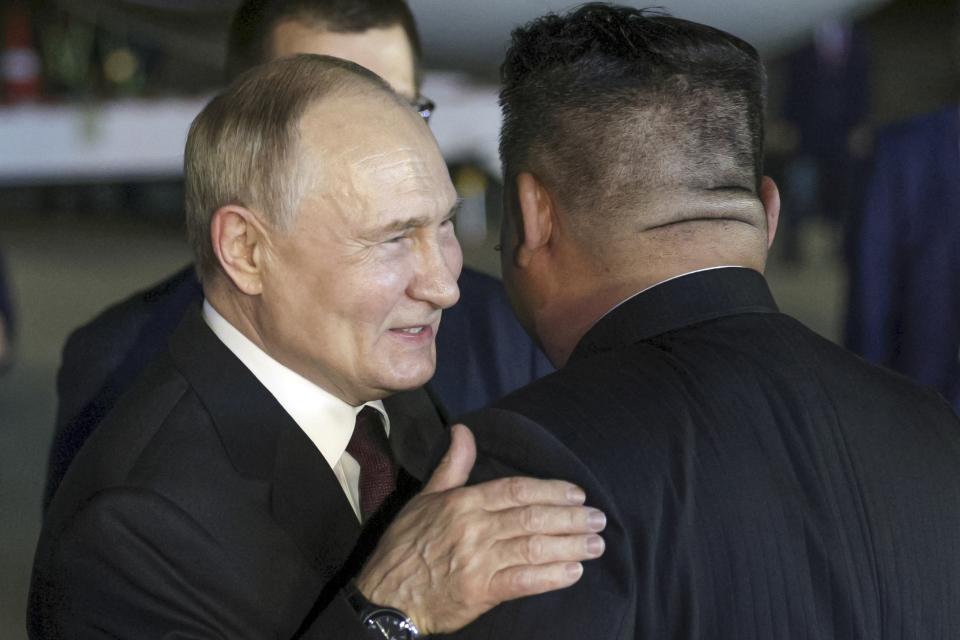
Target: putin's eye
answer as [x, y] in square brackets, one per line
[449, 225]
[397, 239]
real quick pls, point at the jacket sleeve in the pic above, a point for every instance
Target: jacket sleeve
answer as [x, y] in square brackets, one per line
[877, 270]
[84, 396]
[131, 564]
[104, 357]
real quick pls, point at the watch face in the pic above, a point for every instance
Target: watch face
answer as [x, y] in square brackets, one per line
[391, 625]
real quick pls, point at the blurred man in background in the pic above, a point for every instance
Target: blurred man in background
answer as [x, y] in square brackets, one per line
[761, 482]
[904, 292]
[482, 353]
[7, 319]
[827, 102]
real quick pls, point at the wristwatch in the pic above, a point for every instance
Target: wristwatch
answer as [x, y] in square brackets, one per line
[382, 623]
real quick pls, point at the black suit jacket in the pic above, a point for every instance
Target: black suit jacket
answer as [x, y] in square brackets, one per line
[199, 509]
[760, 482]
[482, 354]
[6, 301]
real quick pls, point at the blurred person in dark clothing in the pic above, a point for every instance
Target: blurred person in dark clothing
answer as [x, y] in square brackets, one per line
[7, 319]
[827, 102]
[482, 352]
[904, 294]
[760, 481]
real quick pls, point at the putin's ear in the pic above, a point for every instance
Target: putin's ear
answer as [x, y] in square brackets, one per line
[239, 239]
[770, 198]
[537, 217]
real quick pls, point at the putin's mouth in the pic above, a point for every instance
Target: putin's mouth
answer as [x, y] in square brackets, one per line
[412, 330]
[420, 331]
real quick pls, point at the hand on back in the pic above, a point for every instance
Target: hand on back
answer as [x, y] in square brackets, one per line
[455, 552]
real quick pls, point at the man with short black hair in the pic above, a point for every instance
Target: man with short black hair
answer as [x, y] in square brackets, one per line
[482, 353]
[761, 482]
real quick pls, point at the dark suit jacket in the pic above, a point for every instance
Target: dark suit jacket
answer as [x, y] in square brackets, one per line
[199, 509]
[760, 482]
[6, 301]
[8, 320]
[904, 308]
[482, 354]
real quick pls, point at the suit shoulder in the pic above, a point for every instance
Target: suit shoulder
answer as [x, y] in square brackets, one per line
[590, 384]
[593, 409]
[125, 317]
[878, 386]
[160, 408]
[120, 341]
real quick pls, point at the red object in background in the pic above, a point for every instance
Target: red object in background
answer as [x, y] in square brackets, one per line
[19, 62]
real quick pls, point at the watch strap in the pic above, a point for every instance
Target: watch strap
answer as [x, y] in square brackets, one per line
[368, 613]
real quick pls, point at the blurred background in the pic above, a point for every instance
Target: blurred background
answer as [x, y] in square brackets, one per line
[96, 97]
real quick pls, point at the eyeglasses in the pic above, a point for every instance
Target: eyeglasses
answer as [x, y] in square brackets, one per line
[424, 106]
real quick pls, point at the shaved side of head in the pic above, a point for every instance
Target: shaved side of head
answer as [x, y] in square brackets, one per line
[634, 121]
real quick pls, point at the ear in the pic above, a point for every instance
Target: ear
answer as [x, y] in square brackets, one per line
[537, 217]
[770, 198]
[239, 242]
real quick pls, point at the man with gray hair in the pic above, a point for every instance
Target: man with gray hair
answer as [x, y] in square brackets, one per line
[240, 485]
[482, 352]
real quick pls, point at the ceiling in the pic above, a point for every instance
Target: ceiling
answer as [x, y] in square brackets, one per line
[465, 34]
[473, 34]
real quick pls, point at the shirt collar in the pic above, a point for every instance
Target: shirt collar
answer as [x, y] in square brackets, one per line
[677, 302]
[327, 420]
[631, 297]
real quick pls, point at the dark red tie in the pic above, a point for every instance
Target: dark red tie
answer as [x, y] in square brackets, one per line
[371, 449]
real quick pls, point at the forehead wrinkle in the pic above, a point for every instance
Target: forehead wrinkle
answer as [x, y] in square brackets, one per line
[402, 224]
[343, 200]
[401, 170]
[396, 159]
[357, 164]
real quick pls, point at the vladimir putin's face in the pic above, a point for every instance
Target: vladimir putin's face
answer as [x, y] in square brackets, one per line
[353, 293]
[385, 51]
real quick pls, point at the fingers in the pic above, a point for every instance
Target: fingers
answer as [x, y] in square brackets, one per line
[455, 467]
[541, 549]
[517, 582]
[548, 520]
[519, 491]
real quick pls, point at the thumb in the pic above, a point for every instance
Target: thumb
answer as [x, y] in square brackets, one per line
[455, 467]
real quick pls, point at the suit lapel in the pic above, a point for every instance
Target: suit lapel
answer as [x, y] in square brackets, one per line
[265, 444]
[308, 502]
[416, 429]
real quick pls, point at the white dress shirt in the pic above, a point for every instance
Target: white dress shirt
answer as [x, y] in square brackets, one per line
[327, 420]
